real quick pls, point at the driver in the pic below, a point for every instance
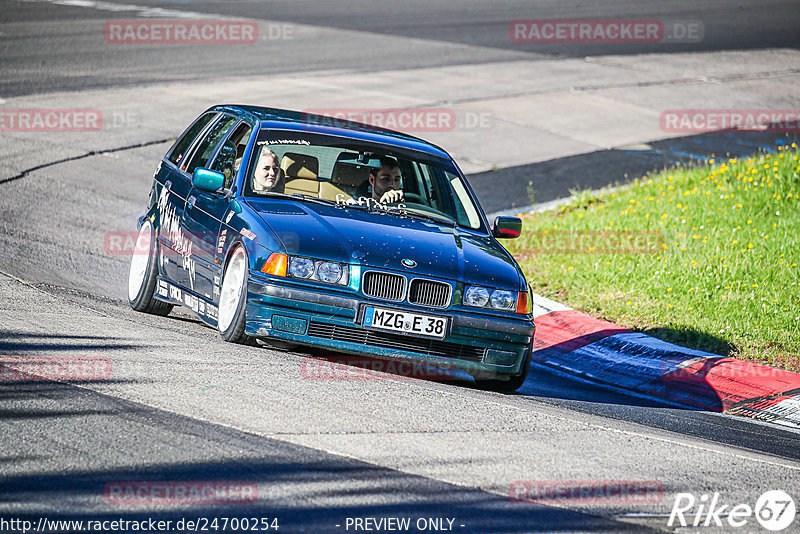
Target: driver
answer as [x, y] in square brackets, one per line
[268, 175]
[386, 181]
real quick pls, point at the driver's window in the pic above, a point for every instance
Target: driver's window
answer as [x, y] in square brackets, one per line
[229, 158]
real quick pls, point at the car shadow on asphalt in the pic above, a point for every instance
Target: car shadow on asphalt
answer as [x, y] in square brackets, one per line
[27, 343]
[302, 496]
[147, 463]
[32, 360]
[691, 338]
[635, 367]
[321, 364]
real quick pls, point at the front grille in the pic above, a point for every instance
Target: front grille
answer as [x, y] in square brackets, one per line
[362, 336]
[384, 285]
[429, 293]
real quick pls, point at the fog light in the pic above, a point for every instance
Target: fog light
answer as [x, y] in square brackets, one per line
[289, 324]
[500, 357]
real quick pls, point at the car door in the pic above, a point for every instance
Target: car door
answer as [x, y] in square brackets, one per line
[173, 186]
[204, 211]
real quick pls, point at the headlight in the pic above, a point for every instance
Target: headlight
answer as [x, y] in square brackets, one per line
[329, 272]
[498, 299]
[476, 296]
[301, 267]
[503, 300]
[325, 271]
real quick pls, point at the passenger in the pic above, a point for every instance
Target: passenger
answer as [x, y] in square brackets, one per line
[386, 182]
[268, 175]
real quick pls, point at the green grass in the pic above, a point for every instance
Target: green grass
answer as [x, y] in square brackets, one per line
[705, 257]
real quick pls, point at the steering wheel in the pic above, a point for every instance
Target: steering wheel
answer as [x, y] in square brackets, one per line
[412, 197]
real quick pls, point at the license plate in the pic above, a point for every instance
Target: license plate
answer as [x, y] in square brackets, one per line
[406, 322]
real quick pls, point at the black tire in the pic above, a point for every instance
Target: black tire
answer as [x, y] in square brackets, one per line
[510, 385]
[143, 273]
[231, 321]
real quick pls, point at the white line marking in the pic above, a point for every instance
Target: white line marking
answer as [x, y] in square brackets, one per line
[141, 11]
[543, 306]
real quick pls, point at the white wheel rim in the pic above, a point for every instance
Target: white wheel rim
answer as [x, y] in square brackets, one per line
[139, 261]
[232, 284]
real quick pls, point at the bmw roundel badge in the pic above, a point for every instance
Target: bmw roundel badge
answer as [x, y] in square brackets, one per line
[409, 263]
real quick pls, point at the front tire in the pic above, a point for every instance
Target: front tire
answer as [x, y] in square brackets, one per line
[233, 300]
[143, 274]
[510, 385]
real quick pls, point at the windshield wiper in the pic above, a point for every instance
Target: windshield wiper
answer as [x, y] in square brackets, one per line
[445, 220]
[295, 196]
[313, 199]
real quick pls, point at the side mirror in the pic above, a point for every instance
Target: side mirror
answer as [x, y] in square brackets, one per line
[507, 227]
[208, 180]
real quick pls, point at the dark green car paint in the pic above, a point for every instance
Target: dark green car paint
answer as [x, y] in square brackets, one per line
[285, 308]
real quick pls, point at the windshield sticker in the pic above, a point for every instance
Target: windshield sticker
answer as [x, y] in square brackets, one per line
[284, 142]
[368, 202]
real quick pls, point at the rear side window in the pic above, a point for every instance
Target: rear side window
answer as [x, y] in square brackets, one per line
[185, 142]
[206, 147]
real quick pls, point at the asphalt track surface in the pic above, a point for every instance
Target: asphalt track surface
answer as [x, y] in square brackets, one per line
[385, 35]
[184, 406]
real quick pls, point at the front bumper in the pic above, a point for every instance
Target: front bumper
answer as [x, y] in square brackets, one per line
[474, 343]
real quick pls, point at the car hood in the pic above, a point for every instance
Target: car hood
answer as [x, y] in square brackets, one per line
[383, 241]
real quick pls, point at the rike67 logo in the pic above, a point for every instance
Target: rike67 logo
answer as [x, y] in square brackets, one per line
[774, 510]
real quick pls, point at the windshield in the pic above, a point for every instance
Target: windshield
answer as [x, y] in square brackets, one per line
[360, 173]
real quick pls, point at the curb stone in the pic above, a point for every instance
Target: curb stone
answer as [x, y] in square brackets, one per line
[575, 343]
